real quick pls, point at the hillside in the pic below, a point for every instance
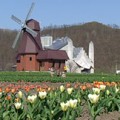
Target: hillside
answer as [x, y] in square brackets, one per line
[7, 54]
[106, 41]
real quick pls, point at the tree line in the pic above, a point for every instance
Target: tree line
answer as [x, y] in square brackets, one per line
[106, 40]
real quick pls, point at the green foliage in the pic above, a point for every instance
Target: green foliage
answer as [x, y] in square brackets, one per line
[41, 109]
[45, 77]
[64, 103]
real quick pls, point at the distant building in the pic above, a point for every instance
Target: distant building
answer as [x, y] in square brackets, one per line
[78, 61]
[46, 41]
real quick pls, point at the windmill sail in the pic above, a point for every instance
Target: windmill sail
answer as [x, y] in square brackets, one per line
[23, 26]
[30, 11]
[16, 39]
[16, 19]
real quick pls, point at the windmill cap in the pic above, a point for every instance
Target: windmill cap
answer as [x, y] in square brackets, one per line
[33, 24]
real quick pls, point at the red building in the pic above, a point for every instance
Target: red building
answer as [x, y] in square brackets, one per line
[31, 56]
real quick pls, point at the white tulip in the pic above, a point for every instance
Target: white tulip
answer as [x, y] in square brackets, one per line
[96, 90]
[69, 90]
[32, 98]
[17, 105]
[62, 88]
[20, 94]
[116, 89]
[102, 87]
[107, 92]
[72, 103]
[64, 106]
[42, 95]
[0, 94]
[93, 98]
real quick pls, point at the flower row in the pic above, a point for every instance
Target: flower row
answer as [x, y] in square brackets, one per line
[32, 102]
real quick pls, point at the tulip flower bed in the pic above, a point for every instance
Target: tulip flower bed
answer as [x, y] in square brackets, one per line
[64, 101]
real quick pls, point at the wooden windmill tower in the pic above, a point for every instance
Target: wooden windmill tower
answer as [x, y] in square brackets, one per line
[29, 45]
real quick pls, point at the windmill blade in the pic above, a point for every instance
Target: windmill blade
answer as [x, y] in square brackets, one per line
[16, 39]
[23, 24]
[32, 32]
[30, 11]
[16, 19]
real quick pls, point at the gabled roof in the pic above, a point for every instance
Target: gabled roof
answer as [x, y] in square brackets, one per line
[33, 24]
[52, 54]
[58, 44]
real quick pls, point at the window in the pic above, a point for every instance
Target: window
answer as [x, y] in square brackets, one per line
[30, 58]
[18, 61]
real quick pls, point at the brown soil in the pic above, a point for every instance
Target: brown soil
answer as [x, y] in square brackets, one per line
[105, 116]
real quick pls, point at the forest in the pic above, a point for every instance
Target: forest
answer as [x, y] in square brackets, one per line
[106, 39]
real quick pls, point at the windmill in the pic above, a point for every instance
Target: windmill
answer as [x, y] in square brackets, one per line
[24, 26]
[30, 43]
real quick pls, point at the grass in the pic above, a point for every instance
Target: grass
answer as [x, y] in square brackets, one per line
[45, 76]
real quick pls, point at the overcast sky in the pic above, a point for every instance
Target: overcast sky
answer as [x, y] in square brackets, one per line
[60, 12]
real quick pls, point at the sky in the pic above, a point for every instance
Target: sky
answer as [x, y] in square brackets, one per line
[60, 12]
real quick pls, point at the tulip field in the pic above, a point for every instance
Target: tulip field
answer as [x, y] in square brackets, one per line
[24, 98]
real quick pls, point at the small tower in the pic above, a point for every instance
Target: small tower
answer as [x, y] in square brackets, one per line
[91, 55]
